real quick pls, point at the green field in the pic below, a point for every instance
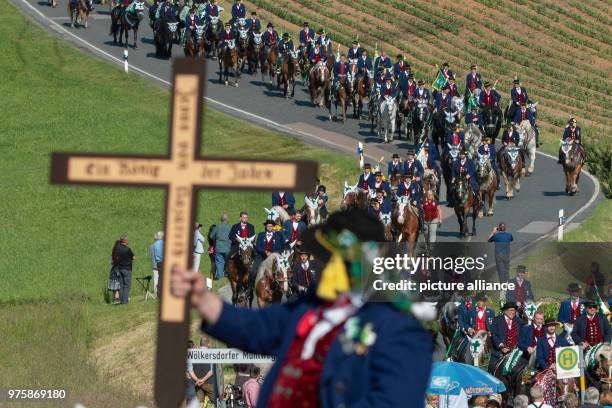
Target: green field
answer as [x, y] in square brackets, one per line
[56, 243]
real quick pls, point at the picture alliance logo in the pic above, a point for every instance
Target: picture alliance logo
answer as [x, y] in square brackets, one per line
[412, 264]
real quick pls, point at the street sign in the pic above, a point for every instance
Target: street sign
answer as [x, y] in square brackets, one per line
[567, 360]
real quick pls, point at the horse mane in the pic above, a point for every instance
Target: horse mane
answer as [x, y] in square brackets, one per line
[265, 266]
[284, 215]
[525, 126]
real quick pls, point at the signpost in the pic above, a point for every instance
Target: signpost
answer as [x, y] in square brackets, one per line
[181, 173]
[567, 359]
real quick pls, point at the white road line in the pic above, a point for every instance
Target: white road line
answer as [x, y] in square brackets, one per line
[280, 125]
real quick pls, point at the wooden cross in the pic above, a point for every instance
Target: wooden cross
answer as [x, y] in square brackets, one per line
[182, 173]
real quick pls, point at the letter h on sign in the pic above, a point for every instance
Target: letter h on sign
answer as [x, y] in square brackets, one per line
[181, 173]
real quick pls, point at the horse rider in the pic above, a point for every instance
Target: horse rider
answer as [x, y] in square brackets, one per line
[455, 139]
[293, 228]
[510, 135]
[399, 67]
[413, 168]
[591, 328]
[394, 166]
[406, 85]
[545, 349]
[453, 89]
[489, 98]
[571, 308]
[285, 46]
[211, 10]
[228, 34]
[364, 66]
[374, 208]
[443, 100]
[530, 334]
[366, 180]
[382, 60]
[238, 11]
[505, 330]
[464, 167]
[191, 21]
[317, 54]
[473, 81]
[410, 188]
[324, 41]
[388, 89]
[524, 114]
[253, 23]
[421, 93]
[384, 201]
[518, 95]
[429, 159]
[522, 288]
[167, 11]
[340, 71]
[476, 118]
[270, 39]
[379, 81]
[283, 199]
[571, 133]
[487, 148]
[267, 242]
[304, 273]
[478, 318]
[447, 73]
[354, 53]
[322, 198]
[242, 229]
[381, 184]
[307, 36]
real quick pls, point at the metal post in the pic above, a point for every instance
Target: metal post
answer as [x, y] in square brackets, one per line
[360, 154]
[561, 224]
[125, 60]
[582, 364]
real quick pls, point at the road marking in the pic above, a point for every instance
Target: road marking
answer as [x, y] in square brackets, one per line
[91, 17]
[284, 127]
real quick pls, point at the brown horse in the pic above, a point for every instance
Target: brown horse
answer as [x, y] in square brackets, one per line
[124, 20]
[361, 91]
[238, 266]
[267, 58]
[195, 46]
[341, 95]
[572, 155]
[431, 181]
[318, 85]
[354, 197]
[288, 69]
[487, 180]
[78, 12]
[404, 117]
[511, 167]
[272, 280]
[405, 221]
[228, 59]
[464, 201]
[254, 51]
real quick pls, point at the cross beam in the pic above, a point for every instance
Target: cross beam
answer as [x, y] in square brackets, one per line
[181, 173]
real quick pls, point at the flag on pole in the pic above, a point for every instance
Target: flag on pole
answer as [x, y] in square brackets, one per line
[439, 82]
[472, 101]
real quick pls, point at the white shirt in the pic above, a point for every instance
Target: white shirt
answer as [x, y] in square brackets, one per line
[551, 340]
[537, 405]
[198, 240]
[269, 235]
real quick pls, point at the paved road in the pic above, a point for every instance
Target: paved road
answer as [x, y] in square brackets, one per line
[532, 215]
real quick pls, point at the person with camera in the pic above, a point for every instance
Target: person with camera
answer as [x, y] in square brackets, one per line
[502, 239]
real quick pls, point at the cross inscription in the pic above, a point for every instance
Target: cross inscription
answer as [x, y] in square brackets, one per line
[181, 173]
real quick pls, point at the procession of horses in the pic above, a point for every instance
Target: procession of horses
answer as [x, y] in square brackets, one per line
[429, 125]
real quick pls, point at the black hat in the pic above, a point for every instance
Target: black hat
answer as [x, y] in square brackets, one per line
[305, 23]
[355, 42]
[380, 190]
[400, 56]
[463, 152]
[228, 24]
[451, 78]
[374, 200]
[550, 322]
[270, 25]
[574, 287]
[509, 305]
[285, 35]
[521, 269]
[426, 146]
[487, 84]
[367, 166]
[473, 66]
[269, 222]
[322, 188]
[291, 211]
[482, 297]
[253, 13]
[516, 81]
[364, 51]
[445, 64]
[420, 82]
[303, 251]
[378, 173]
[321, 31]
[446, 88]
[410, 151]
[395, 156]
[590, 303]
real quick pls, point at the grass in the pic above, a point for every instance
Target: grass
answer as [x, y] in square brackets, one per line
[57, 331]
[560, 51]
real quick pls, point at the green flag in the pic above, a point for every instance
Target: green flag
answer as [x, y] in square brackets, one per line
[472, 101]
[439, 82]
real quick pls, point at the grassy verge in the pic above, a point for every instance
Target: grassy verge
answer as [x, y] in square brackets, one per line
[56, 330]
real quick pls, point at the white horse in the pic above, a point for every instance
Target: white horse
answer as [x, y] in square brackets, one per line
[457, 107]
[311, 208]
[387, 112]
[473, 137]
[527, 142]
[276, 214]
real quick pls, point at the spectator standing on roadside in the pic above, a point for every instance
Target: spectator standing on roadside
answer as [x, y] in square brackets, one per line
[251, 388]
[205, 377]
[191, 378]
[432, 216]
[591, 398]
[156, 250]
[114, 280]
[537, 395]
[125, 257]
[198, 246]
[502, 239]
[223, 244]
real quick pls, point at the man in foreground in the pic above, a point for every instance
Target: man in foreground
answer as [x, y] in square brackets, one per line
[330, 349]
